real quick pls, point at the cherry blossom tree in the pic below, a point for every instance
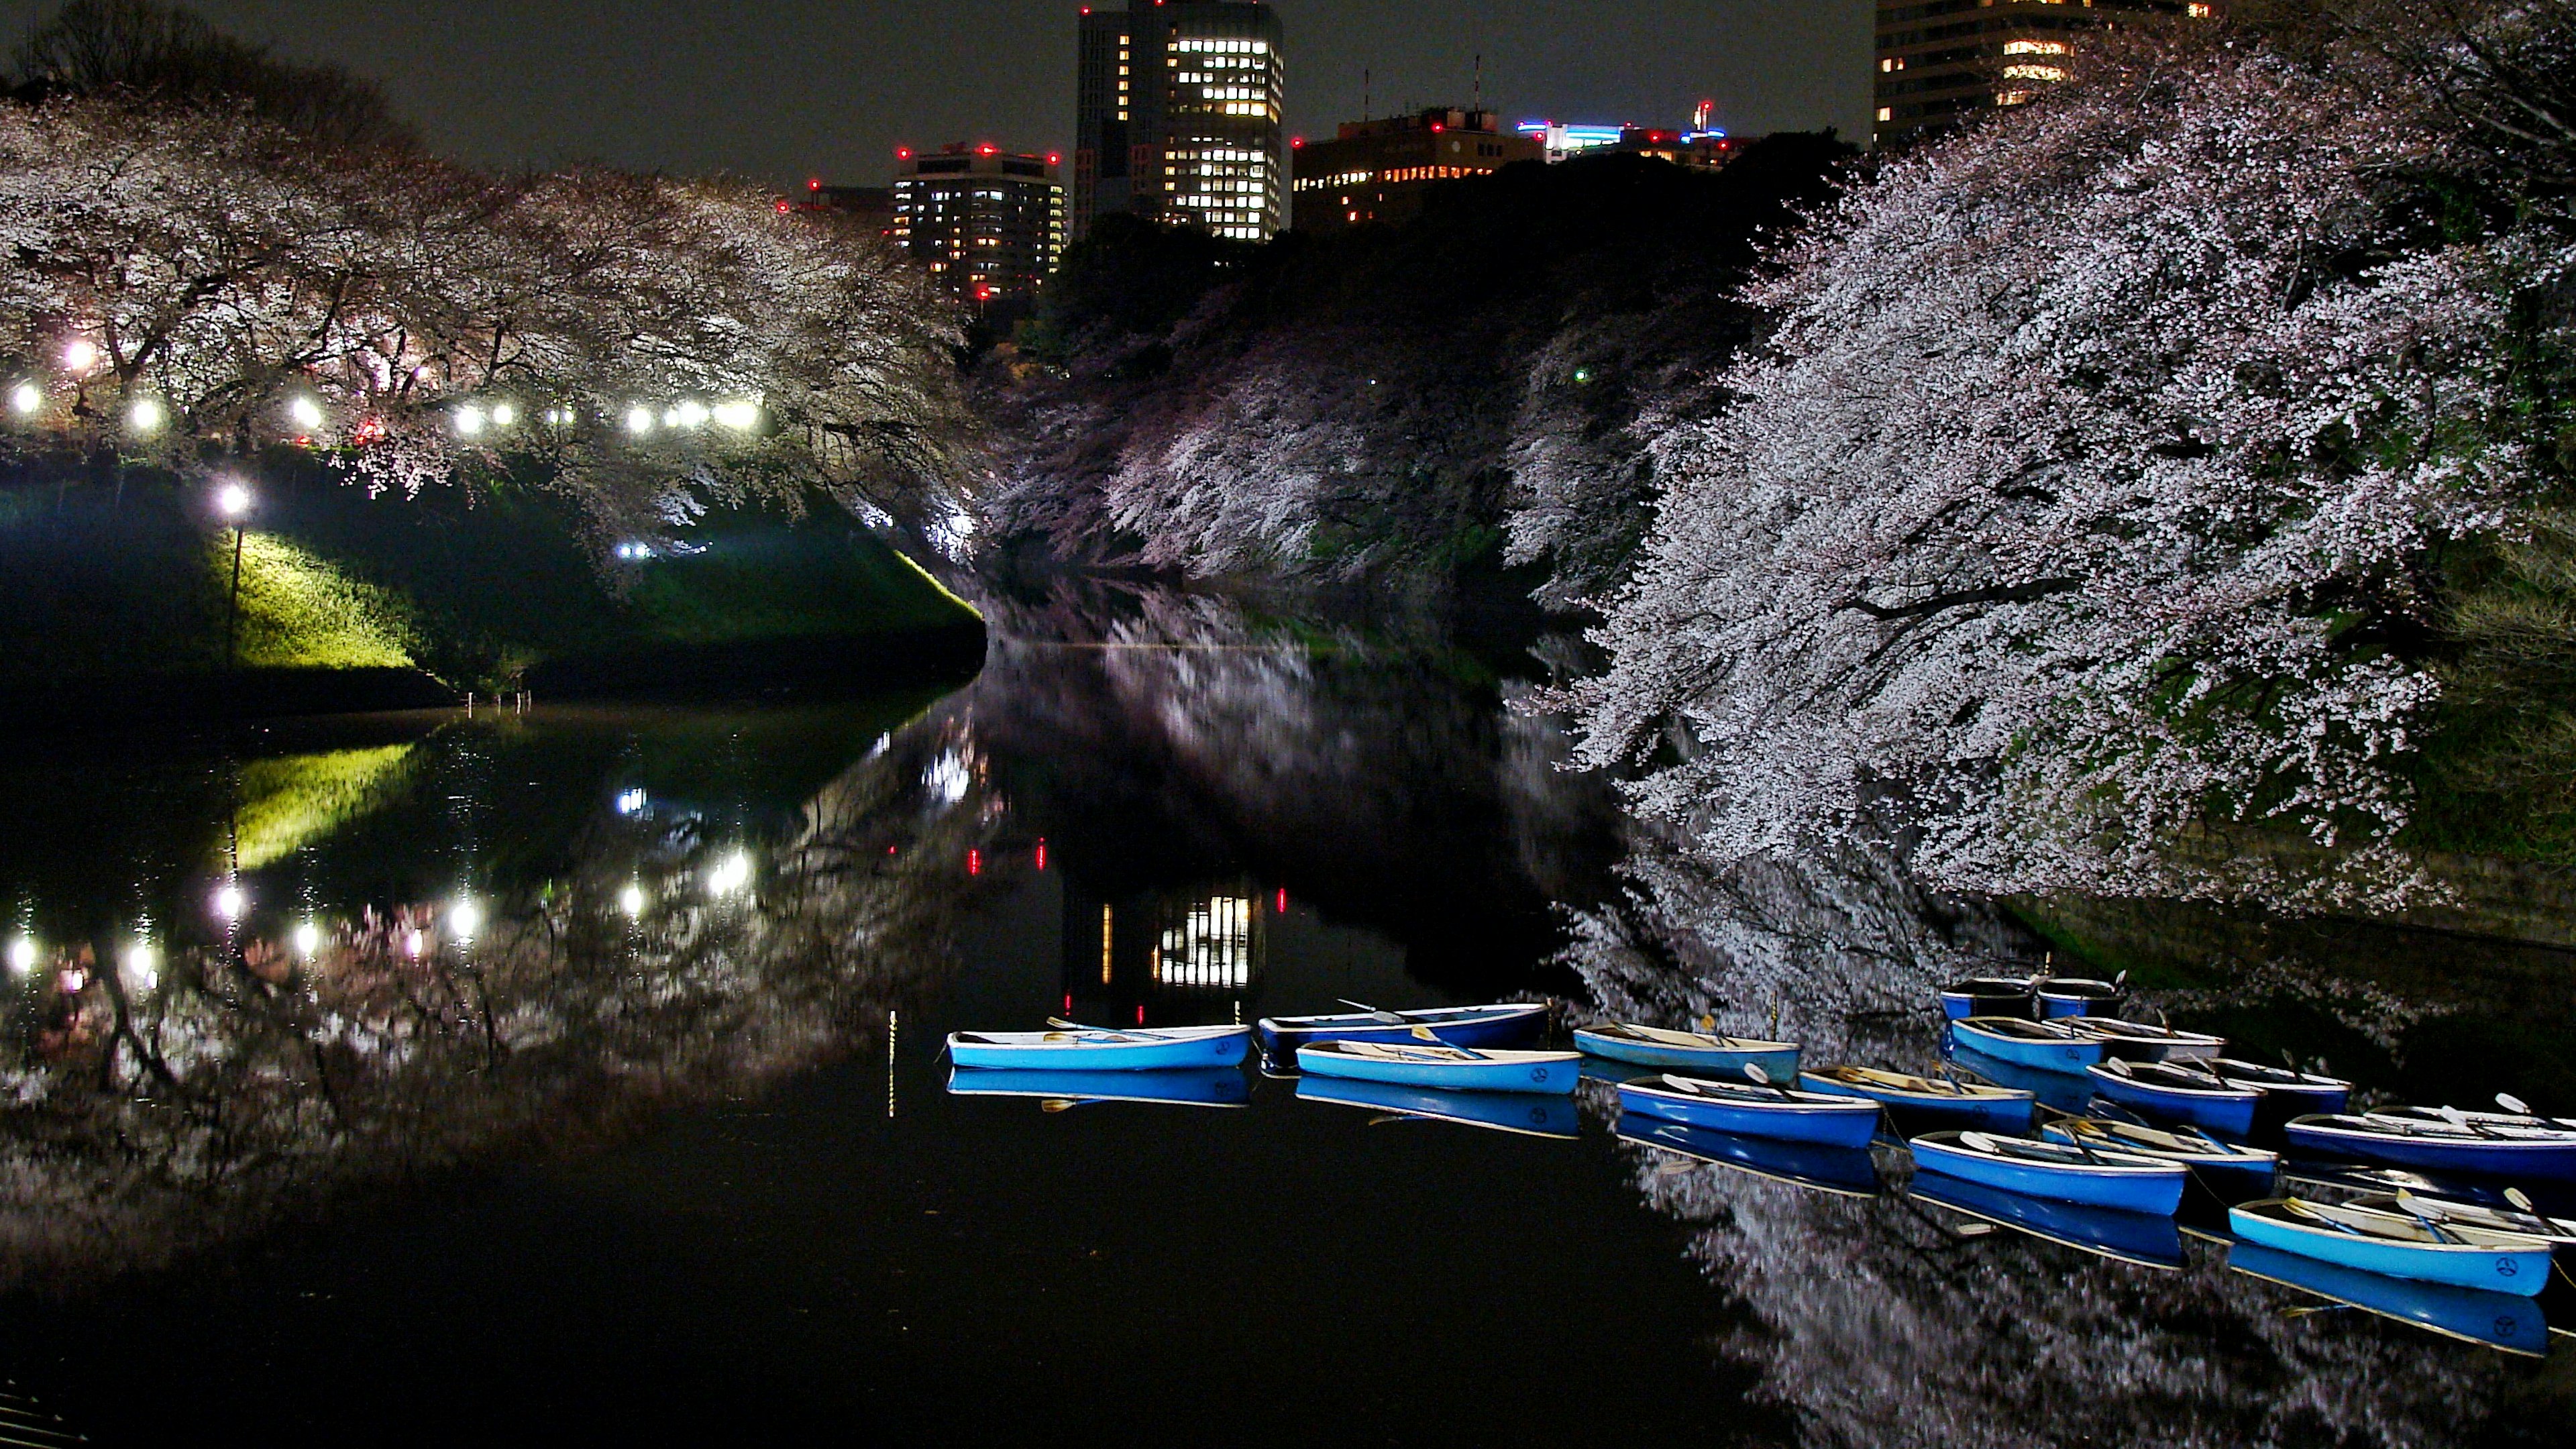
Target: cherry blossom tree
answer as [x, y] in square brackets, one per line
[2076, 514]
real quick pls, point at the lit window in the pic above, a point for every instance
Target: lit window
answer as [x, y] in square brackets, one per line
[1886, 113]
[2034, 72]
[2033, 47]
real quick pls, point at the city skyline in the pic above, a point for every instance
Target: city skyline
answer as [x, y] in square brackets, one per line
[781, 92]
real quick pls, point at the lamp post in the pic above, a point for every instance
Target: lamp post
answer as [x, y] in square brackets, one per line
[233, 502]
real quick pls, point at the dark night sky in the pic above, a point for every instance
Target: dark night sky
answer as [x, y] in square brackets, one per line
[790, 88]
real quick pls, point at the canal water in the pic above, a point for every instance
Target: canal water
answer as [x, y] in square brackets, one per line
[575, 1072]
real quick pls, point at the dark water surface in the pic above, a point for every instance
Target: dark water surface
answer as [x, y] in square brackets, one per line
[603, 1098]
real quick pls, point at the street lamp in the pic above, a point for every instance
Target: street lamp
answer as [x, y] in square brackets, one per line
[233, 501]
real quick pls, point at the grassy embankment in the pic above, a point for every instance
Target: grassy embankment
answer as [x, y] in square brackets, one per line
[121, 597]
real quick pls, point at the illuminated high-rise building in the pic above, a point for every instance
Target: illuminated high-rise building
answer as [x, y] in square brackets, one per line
[989, 224]
[1942, 61]
[1177, 117]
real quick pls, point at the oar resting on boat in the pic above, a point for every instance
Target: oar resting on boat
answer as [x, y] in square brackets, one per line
[1966, 1104]
[1443, 1068]
[1754, 1109]
[2068, 1172]
[1706, 1053]
[1101, 1049]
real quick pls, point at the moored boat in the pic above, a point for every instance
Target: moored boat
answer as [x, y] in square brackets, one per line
[2479, 1315]
[2434, 1145]
[1988, 996]
[1178, 1087]
[2059, 1091]
[1529, 1114]
[2169, 1093]
[1508, 1024]
[1755, 1110]
[2137, 1041]
[2396, 1244]
[1102, 1049]
[2296, 1091]
[2075, 996]
[2046, 1045]
[1703, 1053]
[2559, 1233]
[1945, 1100]
[2061, 1171]
[1842, 1171]
[2150, 1239]
[1442, 1068]
[2232, 1172]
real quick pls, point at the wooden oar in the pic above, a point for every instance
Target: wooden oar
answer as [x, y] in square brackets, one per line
[2461, 1120]
[1420, 1031]
[1111, 1032]
[2408, 1201]
[2298, 1207]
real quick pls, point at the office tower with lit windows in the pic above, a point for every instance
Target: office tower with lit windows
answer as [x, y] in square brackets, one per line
[989, 224]
[1942, 61]
[1177, 117]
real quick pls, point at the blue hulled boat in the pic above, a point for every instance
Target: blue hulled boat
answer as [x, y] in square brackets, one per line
[1697, 1052]
[1988, 996]
[1757, 1111]
[1442, 1068]
[2396, 1244]
[2130, 1237]
[2171, 1093]
[2136, 1041]
[2232, 1173]
[1925, 1101]
[1101, 1049]
[2074, 996]
[1843, 1171]
[1184, 1087]
[1512, 1024]
[2056, 1170]
[2046, 1045]
[2434, 1145]
[2558, 1232]
[2507, 1321]
[2058, 1091]
[1531, 1114]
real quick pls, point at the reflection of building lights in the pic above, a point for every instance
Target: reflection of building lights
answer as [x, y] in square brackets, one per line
[464, 918]
[1283, 900]
[639, 420]
[308, 938]
[1041, 852]
[503, 415]
[1212, 945]
[412, 942]
[730, 874]
[740, 416]
[469, 421]
[141, 968]
[229, 902]
[692, 414]
[974, 862]
[631, 900]
[631, 802]
[947, 778]
[22, 955]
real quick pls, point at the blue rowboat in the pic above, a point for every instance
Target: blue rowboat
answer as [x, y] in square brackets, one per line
[2055, 1090]
[2150, 1239]
[1715, 1056]
[1185, 1087]
[1923, 1100]
[1987, 996]
[2559, 1233]
[2055, 1170]
[1842, 1171]
[2232, 1173]
[2047, 1045]
[2433, 1145]
[1100, 1049]
[1755, 1111]
[2295, 1093]
[1513, 1024]
[2175, 1095]
[2136, 1041]
[2395, 1244]
[1531, 1114]
[2507, 1321]
[1442, 1068]
[2072, 996]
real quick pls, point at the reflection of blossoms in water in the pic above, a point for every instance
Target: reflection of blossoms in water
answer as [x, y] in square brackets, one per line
[1870, 1318]
[157, 1112]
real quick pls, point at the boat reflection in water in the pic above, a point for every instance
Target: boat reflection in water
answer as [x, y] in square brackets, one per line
[1846, 1171]
[2146, 1239]
[2498, 1320]
[1186, 1087]
[1531, 1114]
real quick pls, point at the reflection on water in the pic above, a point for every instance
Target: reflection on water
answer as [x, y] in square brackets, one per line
[281, 976]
